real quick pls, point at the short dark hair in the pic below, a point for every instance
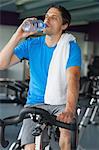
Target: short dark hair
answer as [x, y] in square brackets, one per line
[66, 16]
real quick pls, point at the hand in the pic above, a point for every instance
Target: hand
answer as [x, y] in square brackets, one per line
[66, 117]
[21, 34]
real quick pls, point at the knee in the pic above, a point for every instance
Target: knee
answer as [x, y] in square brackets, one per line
[29, 147]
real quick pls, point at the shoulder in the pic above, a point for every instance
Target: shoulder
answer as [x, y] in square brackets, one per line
[74, 48]
[74, 45]
[74, 55]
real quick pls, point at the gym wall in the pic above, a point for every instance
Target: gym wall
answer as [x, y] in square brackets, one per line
[14, 72]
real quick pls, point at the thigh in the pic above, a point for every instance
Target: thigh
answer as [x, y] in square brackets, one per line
[27, 129]
[56, 109]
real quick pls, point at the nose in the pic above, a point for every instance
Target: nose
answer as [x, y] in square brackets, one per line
[47, 19]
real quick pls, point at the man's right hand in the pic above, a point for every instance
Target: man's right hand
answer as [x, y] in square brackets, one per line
[22, 34]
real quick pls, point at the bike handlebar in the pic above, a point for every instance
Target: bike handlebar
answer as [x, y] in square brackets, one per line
[45, 117]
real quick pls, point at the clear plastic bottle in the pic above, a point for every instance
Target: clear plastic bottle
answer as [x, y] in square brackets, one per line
[33, 25]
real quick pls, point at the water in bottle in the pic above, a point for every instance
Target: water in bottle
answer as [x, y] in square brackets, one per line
[33, 25]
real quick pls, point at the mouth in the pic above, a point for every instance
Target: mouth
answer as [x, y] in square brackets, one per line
[46, 25]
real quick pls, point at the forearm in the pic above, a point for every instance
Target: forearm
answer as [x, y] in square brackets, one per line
[7, 52]
[72, 92]
[72, 96]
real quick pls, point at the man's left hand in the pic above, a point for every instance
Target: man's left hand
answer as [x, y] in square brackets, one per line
[66, 117]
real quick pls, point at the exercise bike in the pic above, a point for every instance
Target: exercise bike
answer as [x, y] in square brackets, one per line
[91, 108]
[13, 91]
[44, 120]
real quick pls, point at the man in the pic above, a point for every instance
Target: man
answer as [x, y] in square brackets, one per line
[41, 53]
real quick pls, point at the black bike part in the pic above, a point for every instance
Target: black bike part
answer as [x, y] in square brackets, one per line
[3, 142]
[37, 131]
[47, 117]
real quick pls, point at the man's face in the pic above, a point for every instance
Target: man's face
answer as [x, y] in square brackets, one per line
[53, 20]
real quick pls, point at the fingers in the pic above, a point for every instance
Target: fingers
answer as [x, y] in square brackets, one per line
[21, 32]
[66, 117]
[27, 19]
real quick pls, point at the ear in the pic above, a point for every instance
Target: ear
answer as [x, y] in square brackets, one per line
[64, 26]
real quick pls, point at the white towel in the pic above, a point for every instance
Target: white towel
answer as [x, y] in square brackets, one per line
[55, 93]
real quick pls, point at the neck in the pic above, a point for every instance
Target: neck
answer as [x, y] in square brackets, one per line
[52, 40]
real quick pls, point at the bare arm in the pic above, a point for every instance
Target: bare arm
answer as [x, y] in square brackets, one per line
[6, 54]
[72, 77]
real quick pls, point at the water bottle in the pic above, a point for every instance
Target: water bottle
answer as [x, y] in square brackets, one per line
[33, 25]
